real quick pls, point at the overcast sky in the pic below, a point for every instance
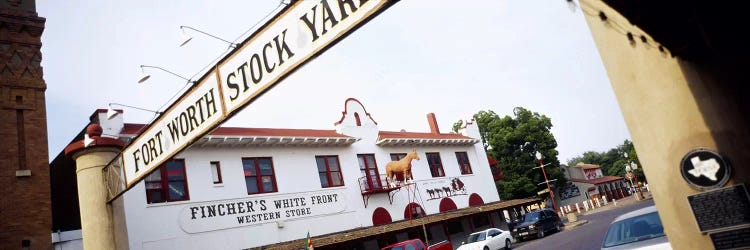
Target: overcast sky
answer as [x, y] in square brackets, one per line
[449, 57]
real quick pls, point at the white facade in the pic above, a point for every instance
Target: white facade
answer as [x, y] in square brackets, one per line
[587, 182]
[311, 208]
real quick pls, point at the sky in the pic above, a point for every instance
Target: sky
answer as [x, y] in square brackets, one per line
[453, 58]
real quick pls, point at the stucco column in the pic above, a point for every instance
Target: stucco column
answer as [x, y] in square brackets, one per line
[671, 106]
[96, 214]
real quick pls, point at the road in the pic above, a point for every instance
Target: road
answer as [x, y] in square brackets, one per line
[584, 237]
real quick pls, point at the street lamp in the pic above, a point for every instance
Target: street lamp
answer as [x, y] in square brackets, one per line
[630, 167]
[186, 38]
[551, 194]
[111, 113]
[145, 76]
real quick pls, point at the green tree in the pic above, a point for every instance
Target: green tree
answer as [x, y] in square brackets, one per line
[613, 161]
[513, 142]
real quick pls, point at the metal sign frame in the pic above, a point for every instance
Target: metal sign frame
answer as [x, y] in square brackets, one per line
[358, 14]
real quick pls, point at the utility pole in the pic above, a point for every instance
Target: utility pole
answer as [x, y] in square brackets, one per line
[551, 194]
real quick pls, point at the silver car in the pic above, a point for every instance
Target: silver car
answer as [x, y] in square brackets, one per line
[639, 229]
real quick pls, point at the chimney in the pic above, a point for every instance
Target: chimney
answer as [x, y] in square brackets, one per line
[433, 123]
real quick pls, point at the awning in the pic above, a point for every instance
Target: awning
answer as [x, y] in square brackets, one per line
[360, 233]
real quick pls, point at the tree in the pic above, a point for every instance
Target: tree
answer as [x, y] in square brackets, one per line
[513, 142]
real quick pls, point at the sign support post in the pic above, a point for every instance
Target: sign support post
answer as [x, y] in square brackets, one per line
[92, 155]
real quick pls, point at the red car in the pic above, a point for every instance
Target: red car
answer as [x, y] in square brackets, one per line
[417, 244]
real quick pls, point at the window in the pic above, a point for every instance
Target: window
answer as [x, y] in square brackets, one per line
[329, 171]
[259, 175]
[216, 172]
[436, 166]
[634, 229]
[397, 156]
[167, 183]
[463, 162]
[369, 169]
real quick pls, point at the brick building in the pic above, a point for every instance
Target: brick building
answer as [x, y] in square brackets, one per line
[25, 218]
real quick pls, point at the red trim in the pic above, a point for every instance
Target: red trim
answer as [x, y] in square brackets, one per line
[408, 210]
[356, 117]
[475, 200]
[343, 114]
[418, 135]
[98, 142]
[328, 171]
[381, 216]
[258, 176]
[434, 166]
[370, 179]
[163, 172]
[132, 129]
[465, 166]
[218, 171]
[446, 204]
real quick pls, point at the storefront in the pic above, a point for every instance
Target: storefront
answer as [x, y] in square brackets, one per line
[240, 188]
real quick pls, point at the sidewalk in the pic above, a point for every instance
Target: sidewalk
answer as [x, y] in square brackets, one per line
[621, 202]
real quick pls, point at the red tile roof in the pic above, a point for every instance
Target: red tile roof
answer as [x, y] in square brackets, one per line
[130, 128]
[417, 135]
[598, 180]
[587, 166]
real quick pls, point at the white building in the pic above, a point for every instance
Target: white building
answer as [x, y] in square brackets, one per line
[586, 181]
[240, 188]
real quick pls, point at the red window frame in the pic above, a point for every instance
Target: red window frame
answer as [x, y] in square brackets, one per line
[436, 165]
[218, 171]
[463, 162]
[372, 181]
[397, 156]
[327, 170]
[258, 175]
[161, 186]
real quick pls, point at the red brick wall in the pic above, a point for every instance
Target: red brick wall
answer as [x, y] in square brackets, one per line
[24, 201]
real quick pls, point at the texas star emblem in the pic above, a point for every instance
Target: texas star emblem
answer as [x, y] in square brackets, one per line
[707, 168]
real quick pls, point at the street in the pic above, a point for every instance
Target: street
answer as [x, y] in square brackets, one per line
[586, 236]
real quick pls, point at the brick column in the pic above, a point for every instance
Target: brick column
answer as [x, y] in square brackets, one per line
[96, 214]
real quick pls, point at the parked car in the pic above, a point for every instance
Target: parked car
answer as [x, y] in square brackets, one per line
[536, 224]
[417, 244]
[639, 229]
[489, 239]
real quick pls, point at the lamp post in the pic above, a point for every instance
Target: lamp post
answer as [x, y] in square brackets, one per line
[551, 194]
[630, 167]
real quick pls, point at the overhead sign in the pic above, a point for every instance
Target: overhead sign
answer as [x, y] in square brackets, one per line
[223, 214]
[190, 117]
[705, 169]
[293, 37]
[301, 31]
